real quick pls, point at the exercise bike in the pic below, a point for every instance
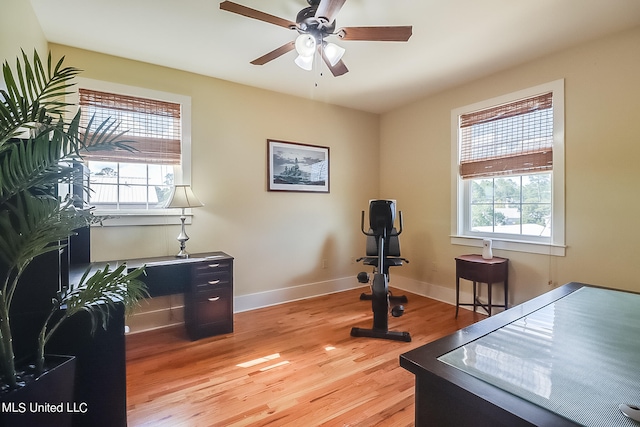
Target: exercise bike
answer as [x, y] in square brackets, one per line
[392, 258]
[382, 232]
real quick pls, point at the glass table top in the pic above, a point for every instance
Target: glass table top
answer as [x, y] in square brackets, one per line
[578, 357]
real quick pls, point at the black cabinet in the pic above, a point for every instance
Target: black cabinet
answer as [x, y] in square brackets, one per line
[209, 297]
[100, 381]
[100, 390]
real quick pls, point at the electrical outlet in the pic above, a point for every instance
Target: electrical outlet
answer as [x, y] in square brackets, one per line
[434, 266]
[324, 263]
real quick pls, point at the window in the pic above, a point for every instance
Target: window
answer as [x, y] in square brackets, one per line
[508, 171]
[157, 124]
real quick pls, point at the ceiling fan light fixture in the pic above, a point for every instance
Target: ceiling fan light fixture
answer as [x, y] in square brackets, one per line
[304, 62]
[306, 45]
[333, 52]
[313, 24]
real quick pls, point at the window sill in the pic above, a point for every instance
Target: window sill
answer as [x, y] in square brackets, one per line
[140, 218]
[512, 245]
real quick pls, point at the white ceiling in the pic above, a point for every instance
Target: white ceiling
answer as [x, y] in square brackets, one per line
[454, 41]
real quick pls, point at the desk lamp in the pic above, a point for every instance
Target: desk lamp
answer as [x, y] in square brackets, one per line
[182, 197]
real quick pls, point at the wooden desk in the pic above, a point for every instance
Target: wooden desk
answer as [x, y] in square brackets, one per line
[207, 282]
[206, 279]
[480, 270]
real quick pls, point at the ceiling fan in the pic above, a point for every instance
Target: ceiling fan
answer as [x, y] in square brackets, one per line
[314, 24]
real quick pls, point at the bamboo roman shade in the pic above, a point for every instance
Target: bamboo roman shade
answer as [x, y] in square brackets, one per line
[508, 139]
[152, 126]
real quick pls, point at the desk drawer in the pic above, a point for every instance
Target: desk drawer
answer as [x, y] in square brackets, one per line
[210, 313]
[208, 276]
[211, 266]
[479, 272]
[214, 307]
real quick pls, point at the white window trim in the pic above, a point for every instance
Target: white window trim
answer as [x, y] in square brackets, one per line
[183, 176]
[556, 244]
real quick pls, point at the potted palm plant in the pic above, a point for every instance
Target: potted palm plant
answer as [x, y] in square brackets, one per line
[36, 142]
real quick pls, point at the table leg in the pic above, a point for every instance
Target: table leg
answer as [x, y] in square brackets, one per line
[506, 291]
[489, 298]
[457, 294]
[475, 296]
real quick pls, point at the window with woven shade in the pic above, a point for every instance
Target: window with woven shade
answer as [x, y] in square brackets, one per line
[509, 168]
[139, 179]
[508, 139]
[152, 126]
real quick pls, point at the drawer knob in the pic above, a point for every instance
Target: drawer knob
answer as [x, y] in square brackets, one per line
[213, 282]
[212, 299]
[214, 265]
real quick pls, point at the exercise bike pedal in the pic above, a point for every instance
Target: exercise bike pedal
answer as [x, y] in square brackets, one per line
[397, 311]
[398, 298]
[363, 277]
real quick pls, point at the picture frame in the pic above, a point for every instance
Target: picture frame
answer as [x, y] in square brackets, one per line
[293, 166]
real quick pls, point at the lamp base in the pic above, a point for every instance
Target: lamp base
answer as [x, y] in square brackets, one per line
[182, 254]
[182, 238]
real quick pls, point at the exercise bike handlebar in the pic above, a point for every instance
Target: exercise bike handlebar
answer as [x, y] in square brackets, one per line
[397, 233]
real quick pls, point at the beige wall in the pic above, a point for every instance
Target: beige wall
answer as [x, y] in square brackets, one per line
[19, 29]
[602, 94]
[278, 239]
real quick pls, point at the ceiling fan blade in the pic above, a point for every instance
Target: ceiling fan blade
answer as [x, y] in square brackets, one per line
[230, 6]
[384, 34]
[274, 54]
[337, 70]
[328, 9]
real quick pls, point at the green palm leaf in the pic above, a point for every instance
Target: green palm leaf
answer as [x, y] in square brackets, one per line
[98, 292]
[32, 221]
[30, 163]
[32, 226]
[33, 94]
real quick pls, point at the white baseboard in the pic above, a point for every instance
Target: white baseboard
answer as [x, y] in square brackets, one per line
[282, 295]
[163, 316]
[440, 293]
[424, 289]
[279, 296]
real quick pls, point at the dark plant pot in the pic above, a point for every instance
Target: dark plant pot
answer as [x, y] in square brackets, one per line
[45, 401]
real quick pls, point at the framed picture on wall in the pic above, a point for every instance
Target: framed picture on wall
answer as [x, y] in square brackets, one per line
[297, 167]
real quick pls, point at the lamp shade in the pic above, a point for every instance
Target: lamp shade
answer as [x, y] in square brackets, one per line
[333, 52]
[182, 197]
[304, 62]
[305, 45]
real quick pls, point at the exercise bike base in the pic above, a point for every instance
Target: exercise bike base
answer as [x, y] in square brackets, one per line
[378, 333]
[393, 298]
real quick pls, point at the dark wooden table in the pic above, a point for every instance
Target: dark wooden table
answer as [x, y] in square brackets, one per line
[447, 396]
[480, 270]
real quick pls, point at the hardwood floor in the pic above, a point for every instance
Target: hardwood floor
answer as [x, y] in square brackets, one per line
[294, 364]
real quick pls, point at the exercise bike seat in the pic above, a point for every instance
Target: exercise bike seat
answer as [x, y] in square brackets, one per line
[392, 256]
[389, 261]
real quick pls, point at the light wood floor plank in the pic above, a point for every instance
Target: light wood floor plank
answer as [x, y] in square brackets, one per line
[293, 364]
